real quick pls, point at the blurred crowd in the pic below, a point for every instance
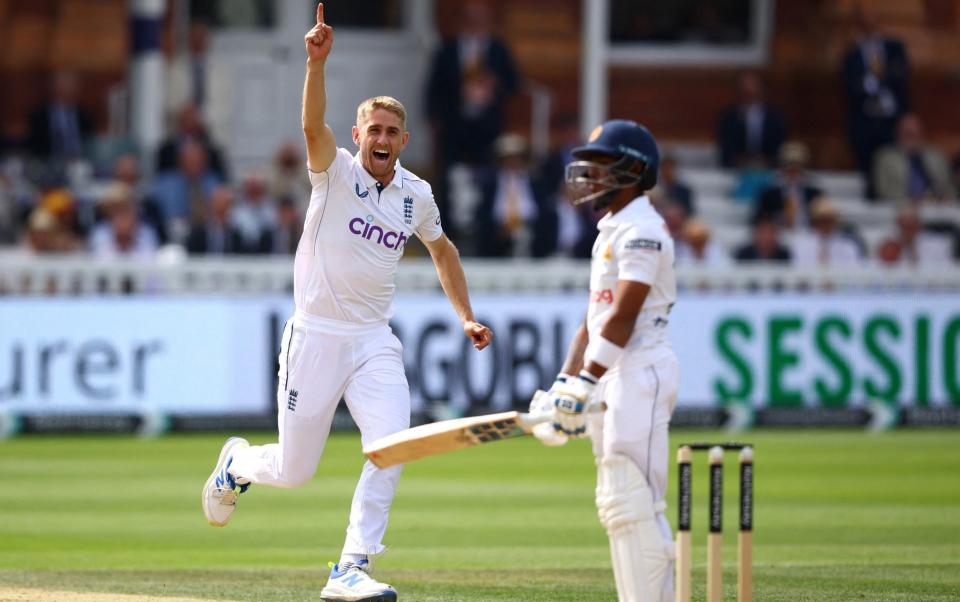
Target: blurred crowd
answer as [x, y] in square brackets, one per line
[497, 199]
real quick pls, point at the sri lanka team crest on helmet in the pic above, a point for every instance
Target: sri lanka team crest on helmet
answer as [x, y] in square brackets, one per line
[595, 133]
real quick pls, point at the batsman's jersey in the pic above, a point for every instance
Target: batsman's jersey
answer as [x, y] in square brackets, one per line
[634, 244]
[354, 235]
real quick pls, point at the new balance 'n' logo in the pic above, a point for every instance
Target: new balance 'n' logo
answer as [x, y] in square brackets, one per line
[363, 194]
[352, 579]
[292, 400]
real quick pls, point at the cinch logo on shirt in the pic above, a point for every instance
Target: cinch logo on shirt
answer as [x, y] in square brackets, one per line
[365, 228]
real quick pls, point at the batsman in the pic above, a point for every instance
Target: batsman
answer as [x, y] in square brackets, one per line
[621, 355]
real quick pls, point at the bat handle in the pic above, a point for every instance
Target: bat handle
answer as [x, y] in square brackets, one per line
[533, 419]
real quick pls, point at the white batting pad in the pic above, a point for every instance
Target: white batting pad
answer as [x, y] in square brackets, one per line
[641, 561]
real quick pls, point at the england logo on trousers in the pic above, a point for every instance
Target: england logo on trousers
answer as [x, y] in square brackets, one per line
[292, 400]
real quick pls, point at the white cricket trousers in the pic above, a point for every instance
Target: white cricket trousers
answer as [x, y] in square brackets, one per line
[640, 400]
[322, 361]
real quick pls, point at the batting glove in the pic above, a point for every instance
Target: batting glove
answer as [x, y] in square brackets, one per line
[542, 405]
[570, 399]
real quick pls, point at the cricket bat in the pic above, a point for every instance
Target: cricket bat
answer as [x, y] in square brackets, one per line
[450, 435]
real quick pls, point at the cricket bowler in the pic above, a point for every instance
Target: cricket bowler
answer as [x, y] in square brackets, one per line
[338, 344]
[621, 355]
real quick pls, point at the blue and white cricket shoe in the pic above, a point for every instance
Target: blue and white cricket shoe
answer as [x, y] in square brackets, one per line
[221, 490]
[352, 583]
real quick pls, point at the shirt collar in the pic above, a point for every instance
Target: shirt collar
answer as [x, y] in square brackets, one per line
[370, 181]
[631, 212]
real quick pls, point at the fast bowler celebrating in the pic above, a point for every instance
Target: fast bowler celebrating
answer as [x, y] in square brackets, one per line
[363, 209]
[621, 355]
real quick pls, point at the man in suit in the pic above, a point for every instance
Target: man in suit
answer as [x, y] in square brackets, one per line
[513, 218]
[876, 74]
[60, 130]
[471, 80]
[215, 235]
[766, 245]
[912, 169]
[750, 132]
[190, 128]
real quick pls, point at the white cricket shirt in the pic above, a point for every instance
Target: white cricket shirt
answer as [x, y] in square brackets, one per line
[634, 244]
[354, 235]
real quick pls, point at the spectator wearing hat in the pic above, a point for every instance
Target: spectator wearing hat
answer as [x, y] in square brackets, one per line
[46, 235]
[787, 199]
[824, 245]
[121, 234]
[696, 249]
[912, 169]
[512, 219]
[911, 246]
[765, 244]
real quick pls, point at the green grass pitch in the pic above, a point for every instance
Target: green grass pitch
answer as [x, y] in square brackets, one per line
[838, 516]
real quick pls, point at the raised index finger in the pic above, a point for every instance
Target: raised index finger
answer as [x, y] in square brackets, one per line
[319, 13]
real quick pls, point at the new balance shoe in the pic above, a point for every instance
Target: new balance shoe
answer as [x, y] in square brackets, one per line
[351, 582]
[221, 489]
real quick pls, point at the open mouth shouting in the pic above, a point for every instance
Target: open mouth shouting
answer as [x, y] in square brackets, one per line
[381, 159]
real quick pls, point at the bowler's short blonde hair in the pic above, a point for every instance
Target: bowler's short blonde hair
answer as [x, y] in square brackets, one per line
[387, 103]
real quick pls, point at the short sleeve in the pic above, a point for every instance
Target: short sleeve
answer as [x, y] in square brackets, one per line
[341, 161]
[429, 228]
[639, 251]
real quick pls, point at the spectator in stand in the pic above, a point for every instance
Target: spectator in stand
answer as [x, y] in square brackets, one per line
[750, 133]
[62, 205]
[126, 170]
[511, 207]
[876, 74]
[956, 172]
[787, 200]
[670, 189]
[9, 212]
[122, 234]
[911, 246]
[288, 178]
[675, 217]
[182, 194]
[824, 245]
[190, 128]
[215, 234]
[286, 236]
[187, 72]
[912, 169]
[766, 245]
[696, 249]
[472, 77]
[46, 235]
[255, 214]
[60, 131]
[566, 230]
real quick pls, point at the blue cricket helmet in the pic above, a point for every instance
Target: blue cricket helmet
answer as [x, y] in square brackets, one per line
[624, 139]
